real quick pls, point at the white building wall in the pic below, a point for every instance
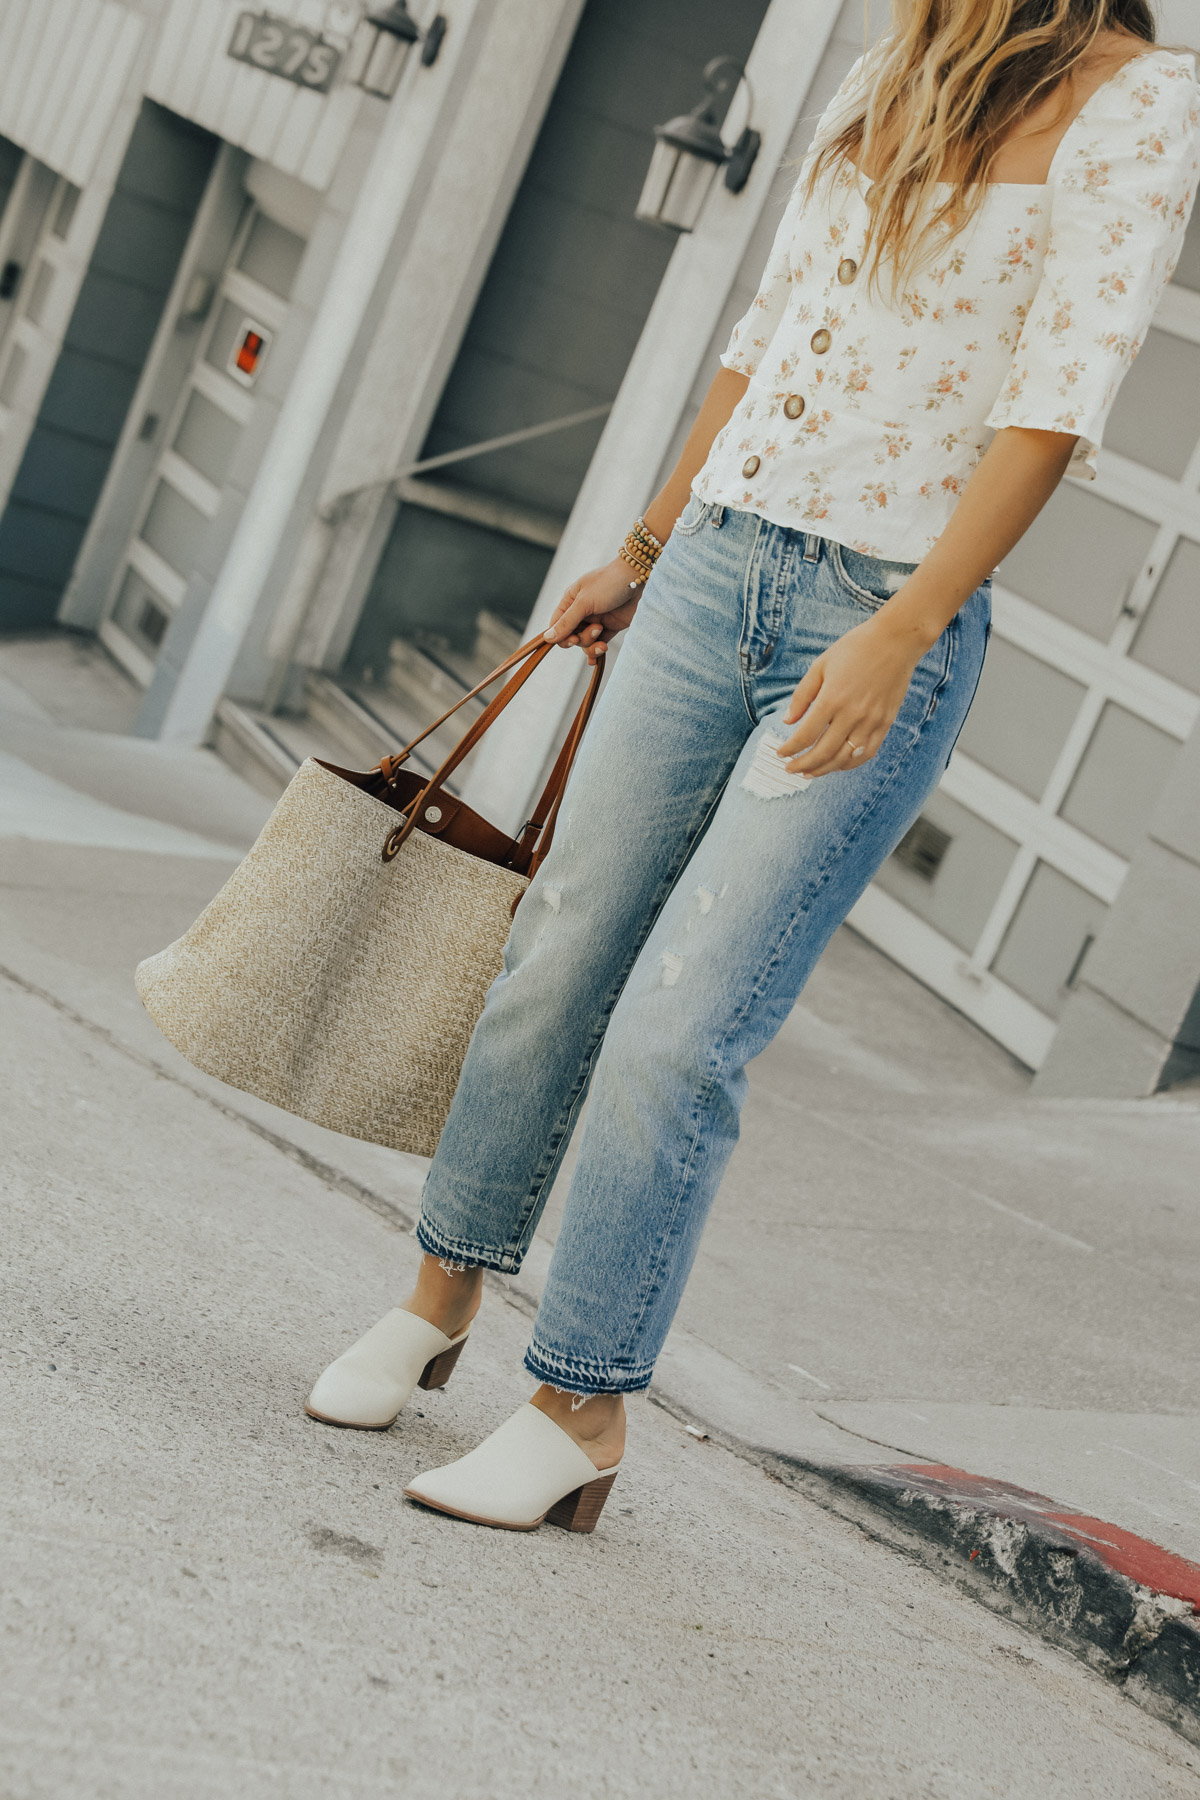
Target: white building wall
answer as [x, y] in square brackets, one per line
[301, 132]
[844, 47]
[64, 68]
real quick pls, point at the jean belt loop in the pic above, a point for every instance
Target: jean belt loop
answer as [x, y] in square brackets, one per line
[718, 517]
[812, 547]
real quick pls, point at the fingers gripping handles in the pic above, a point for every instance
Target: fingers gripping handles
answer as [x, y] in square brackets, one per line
[534, 841]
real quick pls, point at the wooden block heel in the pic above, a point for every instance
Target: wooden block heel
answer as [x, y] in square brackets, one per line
[580, 1511]
[438, 1369]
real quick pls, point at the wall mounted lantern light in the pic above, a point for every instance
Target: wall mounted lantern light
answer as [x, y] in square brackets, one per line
[689, 150]
[380, 47]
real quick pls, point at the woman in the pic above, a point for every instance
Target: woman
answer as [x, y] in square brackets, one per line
[976, 245]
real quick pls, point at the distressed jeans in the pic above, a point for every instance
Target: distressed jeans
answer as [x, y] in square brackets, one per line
[691, 887]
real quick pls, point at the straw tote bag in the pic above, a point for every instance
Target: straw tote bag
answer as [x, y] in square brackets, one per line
[341, 970]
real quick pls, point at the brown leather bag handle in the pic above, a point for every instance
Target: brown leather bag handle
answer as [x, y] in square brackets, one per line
[390, 765]
[540, 830]
[532, 845]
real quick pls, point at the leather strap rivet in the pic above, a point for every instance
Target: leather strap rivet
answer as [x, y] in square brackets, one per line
[433, 814]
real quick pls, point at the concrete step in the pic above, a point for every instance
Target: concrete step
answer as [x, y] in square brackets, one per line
[425, 685]
[352, 727]
[245, 738]
[355, 723]
[360, 732]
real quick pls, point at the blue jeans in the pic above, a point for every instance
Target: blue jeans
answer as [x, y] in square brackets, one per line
[691, 887]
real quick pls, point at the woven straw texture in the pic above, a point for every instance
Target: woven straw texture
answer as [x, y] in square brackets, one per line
[336, 985]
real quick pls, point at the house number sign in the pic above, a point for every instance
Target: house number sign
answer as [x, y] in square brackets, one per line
[280, 48]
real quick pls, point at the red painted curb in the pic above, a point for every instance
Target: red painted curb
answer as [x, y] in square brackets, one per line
[1123, 1551]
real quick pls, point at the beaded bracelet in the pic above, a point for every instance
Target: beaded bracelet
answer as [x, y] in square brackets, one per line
[641, 550]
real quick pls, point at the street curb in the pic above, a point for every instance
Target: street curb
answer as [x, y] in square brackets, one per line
[1123, 1605]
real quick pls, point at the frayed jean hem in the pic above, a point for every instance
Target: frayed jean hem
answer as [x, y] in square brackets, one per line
[572, 1377]
[471, 1256]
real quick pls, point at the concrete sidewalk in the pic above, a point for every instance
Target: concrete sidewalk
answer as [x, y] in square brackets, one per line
[910, 1261]
[208, 1595]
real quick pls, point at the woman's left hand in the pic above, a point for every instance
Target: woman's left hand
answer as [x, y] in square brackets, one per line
[847, 702]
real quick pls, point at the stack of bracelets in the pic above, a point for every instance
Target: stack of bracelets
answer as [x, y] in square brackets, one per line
[641, 550]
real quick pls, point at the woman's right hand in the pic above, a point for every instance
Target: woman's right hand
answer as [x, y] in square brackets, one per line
[594, 609]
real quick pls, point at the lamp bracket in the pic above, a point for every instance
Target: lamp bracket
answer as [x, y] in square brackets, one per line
[722, 77]
[434, 34]
[741, 160]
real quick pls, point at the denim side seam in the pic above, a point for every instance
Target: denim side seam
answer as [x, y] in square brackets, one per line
[751, 1000]
[987, 638]
[753, 568]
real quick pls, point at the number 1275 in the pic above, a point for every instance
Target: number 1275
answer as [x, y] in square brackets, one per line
[280, 48]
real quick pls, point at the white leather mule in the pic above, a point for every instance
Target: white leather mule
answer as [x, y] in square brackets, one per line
[372, 1382]
[527, 1471]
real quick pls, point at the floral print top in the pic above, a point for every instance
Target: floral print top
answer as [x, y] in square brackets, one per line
[865, 415]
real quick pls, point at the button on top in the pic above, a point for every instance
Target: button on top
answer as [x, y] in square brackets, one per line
[751, 466]
[793, 406]
[847, 270]
[821, 341]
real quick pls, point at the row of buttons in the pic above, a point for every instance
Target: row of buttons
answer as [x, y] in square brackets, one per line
[793, 406]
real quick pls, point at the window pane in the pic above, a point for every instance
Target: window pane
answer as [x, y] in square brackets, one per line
[64, 210]
[1156, 416]
[174, 528]
[1079, 559]
[967, 872]
[1042, 947]
[1020, 717]
[1169, 638]
[39, 291]
[10, 381]
[207, 438]
[1119, 779]
[271, 255]
[141, 613]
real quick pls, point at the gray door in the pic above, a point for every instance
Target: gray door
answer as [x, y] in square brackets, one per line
[201, 437]
[112, 326]
[557, 320]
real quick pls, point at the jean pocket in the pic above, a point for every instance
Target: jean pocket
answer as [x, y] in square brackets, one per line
[692, 517]
[867, 580]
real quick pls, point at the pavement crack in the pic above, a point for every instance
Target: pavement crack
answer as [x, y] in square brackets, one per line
[864, 1436]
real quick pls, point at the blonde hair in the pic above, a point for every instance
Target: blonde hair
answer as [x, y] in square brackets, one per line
[941, 93]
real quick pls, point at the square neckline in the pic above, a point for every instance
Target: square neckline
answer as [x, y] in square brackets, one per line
[1039, 187]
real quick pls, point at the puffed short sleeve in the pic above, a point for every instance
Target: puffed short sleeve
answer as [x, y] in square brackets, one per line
[754, 330]
[756, 327]
[1121, 192]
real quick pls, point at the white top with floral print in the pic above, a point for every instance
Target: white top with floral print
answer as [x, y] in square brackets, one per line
[865, 416]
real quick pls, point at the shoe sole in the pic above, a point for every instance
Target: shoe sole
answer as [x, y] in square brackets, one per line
[350, 1424]
[577, 1511]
